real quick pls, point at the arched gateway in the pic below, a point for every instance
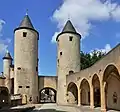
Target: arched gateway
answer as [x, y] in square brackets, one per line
[111, 78]
[4, 96]
[47, 95]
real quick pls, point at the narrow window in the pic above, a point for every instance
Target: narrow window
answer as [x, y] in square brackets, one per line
[24, 34]
[115, 97]
[70, 72]
[27, 86]
[60, 53]
[19, 68]
[30, 99]
[58, 60]
[20, 86]
[36, 68]
[70, 38]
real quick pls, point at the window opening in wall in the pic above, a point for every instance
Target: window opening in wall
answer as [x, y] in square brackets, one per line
[70, 38]
[60, 53]
[30, 99]
[58, 60]
[70, 72]
[20, 86]
[27, 86]
[36, 68]
[114, 97]
[24, 34]
[19, 68]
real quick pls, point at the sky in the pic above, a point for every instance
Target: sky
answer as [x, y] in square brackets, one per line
[98, 22]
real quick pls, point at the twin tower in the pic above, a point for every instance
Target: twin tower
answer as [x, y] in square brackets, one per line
[26, 60]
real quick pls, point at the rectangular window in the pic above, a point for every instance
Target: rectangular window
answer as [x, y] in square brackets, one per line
[60, 53]
[70, 38]
[36, 68]
[20, 86]
[24, 34]
[27, 86]
[58, 60]
[19, 68]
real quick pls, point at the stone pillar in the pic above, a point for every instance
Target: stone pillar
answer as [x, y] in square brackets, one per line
[91, 97]
[103, 101]
[79, 97]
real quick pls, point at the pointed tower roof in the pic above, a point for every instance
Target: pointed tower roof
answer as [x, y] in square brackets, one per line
[26, 22]
[7, 56]
[68, 28]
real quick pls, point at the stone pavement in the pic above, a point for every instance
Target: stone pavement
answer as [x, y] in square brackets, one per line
[54, 108]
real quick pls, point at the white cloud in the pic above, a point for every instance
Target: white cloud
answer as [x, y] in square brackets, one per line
[1, 26]
[3, 42]
[3, 48]
[106, 49]
[82, 12]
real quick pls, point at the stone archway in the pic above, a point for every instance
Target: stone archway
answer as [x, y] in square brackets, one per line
[72, 93]
[96, 89]
[111, 77]
[4, 96]
[85, 92]
[47, 95]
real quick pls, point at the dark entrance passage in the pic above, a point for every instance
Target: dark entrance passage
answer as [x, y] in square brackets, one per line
[4, 96]
[47, 95]
[96, 87]
[97, 97]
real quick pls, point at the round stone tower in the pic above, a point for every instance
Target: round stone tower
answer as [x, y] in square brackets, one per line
[26, 61]
[68, 59]
[7, 62]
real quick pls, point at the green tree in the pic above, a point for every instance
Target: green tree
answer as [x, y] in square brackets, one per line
[88, 59]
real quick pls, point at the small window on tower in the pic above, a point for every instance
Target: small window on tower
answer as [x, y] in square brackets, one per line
[58, 60]
[20, 86]
[70, 38]
[60, 53]
[19, 68]
[24, 34]
[27, 86]
[71, 72]
[36, 68]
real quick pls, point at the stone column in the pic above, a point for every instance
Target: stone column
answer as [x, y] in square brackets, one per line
[103, 101]
[79, 97]
[91, 97]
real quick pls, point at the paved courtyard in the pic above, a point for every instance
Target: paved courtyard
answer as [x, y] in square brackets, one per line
[55, 108]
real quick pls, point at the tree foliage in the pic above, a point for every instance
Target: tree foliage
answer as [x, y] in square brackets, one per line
[88, 59]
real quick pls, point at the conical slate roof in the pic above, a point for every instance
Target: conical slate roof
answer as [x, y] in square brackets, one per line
[7, 56]
[26, 22]
[69, 27]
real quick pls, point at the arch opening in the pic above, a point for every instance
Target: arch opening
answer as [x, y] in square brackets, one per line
[4, 96]
[47, 95]
[96, 89]
[112, 90]
[72, 93]
[85, 92]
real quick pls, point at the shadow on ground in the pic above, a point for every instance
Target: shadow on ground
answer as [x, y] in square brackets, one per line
[48, 110]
